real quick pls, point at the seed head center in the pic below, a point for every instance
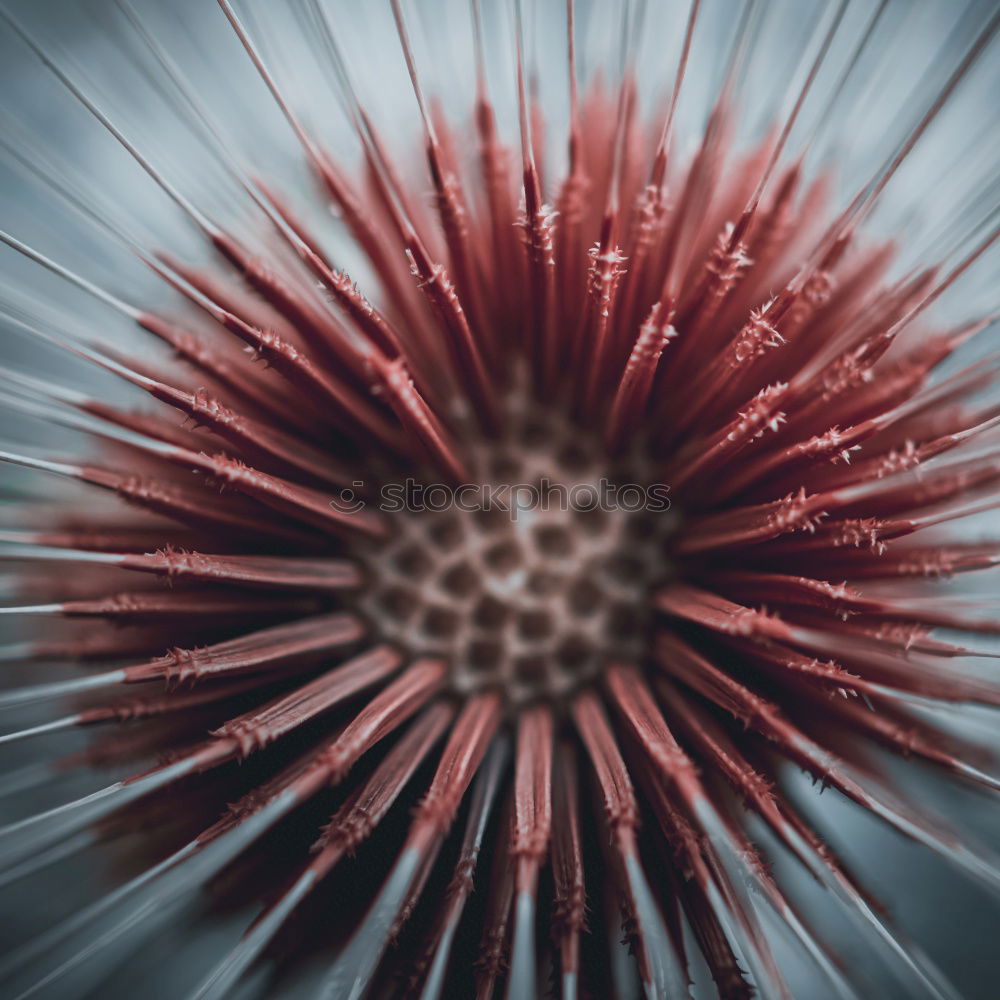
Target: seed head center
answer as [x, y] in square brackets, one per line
[535, 576]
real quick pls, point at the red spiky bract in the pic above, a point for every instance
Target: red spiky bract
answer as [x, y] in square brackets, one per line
[563, 783]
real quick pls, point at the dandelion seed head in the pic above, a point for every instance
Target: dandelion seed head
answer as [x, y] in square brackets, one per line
[465, 459]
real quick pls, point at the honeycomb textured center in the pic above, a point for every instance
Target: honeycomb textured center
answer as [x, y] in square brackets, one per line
[532, 601]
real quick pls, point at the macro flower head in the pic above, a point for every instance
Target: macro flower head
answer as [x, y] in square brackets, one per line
[473, 466]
